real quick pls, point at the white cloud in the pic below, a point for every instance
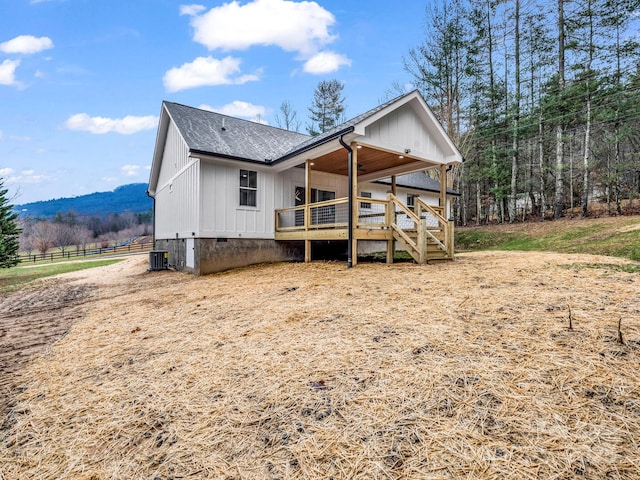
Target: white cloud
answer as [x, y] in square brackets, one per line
[293, 26]
[191, 10]
[1, 135]
[240, 109]
[206, 71]
[99, 125]
[325, 62]
[25, 176]
[8, 72]
[130, 170]
[18, 138]
[26, 44]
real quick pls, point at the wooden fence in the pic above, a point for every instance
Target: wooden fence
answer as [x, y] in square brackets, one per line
[86, 252]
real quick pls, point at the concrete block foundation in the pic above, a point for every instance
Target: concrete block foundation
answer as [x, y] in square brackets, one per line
[212, 255]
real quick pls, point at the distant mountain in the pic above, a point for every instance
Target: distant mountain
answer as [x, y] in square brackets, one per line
[127, 198]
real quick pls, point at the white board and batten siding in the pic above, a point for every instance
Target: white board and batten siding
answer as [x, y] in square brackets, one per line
[402, 129]
[176, 206]
[222, 216]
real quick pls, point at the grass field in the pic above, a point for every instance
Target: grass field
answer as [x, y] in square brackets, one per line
[613, 236]
[14, 278]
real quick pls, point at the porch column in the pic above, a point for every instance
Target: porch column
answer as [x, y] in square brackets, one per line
[307, 211]
[391, 215]
[354, 196]
[443, 189]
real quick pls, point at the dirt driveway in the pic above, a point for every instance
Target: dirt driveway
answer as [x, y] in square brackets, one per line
[33, 318]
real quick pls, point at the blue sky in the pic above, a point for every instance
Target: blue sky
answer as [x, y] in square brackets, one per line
[82, 81]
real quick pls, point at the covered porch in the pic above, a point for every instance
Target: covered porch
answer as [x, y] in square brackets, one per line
[421, 229]
[400, 137]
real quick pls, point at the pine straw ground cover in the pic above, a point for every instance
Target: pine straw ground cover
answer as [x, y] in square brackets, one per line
[293, 371]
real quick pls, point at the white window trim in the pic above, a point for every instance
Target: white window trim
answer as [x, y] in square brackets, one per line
[241, 188]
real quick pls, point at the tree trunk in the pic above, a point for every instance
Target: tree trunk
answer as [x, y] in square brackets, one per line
[543, 201]
[478, 204]
[516, 119]
[587, 128]
[558, 204]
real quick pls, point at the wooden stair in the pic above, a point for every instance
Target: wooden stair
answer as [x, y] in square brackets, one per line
[422, 242]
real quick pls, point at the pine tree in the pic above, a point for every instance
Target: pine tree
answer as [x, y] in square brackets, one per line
[328, 107]
[9, 231]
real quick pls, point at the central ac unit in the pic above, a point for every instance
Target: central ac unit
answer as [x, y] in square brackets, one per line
[158, 260]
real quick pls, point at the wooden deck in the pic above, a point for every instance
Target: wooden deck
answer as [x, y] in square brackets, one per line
[422, 231]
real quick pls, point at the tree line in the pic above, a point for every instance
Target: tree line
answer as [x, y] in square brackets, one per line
[68, 231]
[542, 98]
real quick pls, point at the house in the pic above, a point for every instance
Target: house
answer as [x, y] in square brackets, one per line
[229, 192]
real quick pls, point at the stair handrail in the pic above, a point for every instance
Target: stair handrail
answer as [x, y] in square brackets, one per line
[395, 202]
[445, 246]
[404, 208]
[431, 210]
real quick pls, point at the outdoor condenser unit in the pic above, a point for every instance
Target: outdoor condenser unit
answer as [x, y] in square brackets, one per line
[158, 260]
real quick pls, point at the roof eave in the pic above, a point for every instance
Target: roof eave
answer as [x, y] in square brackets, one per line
[313, 145]
[161, 136]
[198, 153]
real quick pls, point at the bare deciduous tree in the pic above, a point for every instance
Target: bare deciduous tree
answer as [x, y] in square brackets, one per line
[289, 119]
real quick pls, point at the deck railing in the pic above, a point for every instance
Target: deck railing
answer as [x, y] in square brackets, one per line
[415, 227]
[328, 214]
[372, 213]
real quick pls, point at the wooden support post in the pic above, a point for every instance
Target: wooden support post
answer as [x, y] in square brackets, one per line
[389, 217]
[448, 226]
[443, 189]
[307, 210]
[422, 240]
[393, 185]
[354, 192]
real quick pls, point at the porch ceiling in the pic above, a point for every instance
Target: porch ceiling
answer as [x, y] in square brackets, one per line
[370, 161]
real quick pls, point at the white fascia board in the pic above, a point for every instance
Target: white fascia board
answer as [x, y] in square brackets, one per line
[158, 151]
[245, 165]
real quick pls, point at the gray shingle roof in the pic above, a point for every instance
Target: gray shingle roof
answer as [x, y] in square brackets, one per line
[203, 131]
[417, 180]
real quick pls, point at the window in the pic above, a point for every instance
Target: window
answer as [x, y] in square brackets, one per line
[318, 195]
[326, 214]
[248, 188]
[411, 200]
[365, 204]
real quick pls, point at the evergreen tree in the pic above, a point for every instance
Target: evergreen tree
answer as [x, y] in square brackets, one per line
[328, 107]
[9, 231]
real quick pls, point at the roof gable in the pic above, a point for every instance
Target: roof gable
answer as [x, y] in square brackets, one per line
[405, 122]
